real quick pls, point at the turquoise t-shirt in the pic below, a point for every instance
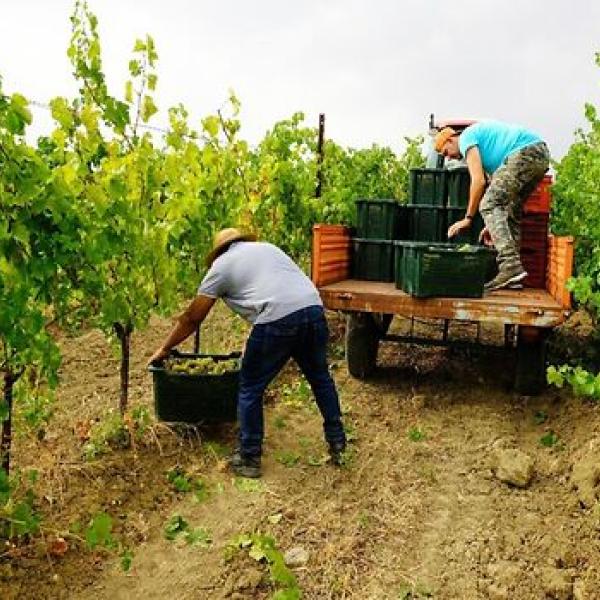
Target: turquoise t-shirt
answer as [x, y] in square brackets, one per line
[496, 141]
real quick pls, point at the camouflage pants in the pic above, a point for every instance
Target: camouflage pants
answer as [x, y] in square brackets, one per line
[502, 204]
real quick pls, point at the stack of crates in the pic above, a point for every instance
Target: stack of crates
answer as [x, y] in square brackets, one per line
[534, 234]
[438, 198]
[427, 263]
[378, 223]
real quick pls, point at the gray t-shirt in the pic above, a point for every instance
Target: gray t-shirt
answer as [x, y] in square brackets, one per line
[259, 282]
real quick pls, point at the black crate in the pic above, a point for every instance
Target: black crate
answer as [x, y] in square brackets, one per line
[428, 186]
[180, 397]
[459, 182]
[471, 235]
[373, 260]
[426, 223]
[378, 219]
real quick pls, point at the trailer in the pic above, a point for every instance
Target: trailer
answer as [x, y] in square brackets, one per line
[528, 314]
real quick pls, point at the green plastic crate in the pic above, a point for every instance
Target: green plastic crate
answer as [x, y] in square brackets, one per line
[426, 223]
[180, 397]
[459, 182]
[378, 219]
[470, 236]
[373, 260]
[428, 186]
[443, 270]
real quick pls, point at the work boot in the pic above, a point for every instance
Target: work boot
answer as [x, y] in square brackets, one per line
[509, 276]
[336, 452]
[245, 465]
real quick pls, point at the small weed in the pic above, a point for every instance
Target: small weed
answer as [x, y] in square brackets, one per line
[288, 458]
[248, 485]
[126, 559]
[216, 449]
[106, 435]
[313, 460]
[305, 442]
[364, 520]
[541, 416]
[415, 434]
[347, 457]
[263, 549]
[279, 422]
[175, 525]
[298, 395]
[180, 481]
[201, 491]
[350, 430]
[99, 531]
[198, 537]
[549, 439]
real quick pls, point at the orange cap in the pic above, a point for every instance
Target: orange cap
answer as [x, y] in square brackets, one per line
[442, 137]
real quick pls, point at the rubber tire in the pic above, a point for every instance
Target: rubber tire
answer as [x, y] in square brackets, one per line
[362, 343]
[382, 321]
[530, 368]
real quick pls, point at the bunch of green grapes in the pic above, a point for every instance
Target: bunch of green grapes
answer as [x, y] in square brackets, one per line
[201, 366]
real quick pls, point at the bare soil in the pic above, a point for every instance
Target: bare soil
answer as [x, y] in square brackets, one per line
[417, 511]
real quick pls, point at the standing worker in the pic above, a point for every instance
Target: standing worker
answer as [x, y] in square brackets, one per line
[262, 284]
[516, 159]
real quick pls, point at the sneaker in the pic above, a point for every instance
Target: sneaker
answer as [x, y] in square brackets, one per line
[507, 277]
[336, 452]
[244, 465]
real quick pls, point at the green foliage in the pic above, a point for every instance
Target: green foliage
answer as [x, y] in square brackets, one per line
[99, 532]
[126, 559]
[416, 434]
[177, 525]
[183, 482]
[263, 548]
[287, 458]
[583, 382]
[18, 517]
[250, 486]
[104, 224]
[108, 434]
[576, 211]
[549, 439]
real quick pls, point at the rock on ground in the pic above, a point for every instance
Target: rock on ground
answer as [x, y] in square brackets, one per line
[514, 467]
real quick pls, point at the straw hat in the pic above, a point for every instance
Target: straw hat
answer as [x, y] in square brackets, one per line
[225, 237]
[443, 136]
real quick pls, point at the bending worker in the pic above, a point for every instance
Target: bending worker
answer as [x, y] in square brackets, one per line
[263, 285]
[516, 160]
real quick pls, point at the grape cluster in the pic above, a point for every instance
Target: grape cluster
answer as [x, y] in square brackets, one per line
[201, 366]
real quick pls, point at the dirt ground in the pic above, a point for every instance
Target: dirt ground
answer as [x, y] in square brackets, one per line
[421, 508]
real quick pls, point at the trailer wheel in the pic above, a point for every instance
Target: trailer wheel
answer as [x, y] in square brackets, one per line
[382, 322]
[362, 343]
[530, 372]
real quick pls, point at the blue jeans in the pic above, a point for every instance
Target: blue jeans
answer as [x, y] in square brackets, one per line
[303, 336]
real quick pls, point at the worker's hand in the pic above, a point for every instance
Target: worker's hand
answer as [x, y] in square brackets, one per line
[486, 237]
[457, 227]
[158, 356]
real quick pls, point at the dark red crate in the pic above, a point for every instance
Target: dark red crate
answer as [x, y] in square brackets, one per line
[540, 199]
[534, 262]
[534, 231]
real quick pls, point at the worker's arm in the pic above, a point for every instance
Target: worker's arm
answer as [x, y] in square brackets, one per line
[475, 191]
[187, 323]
